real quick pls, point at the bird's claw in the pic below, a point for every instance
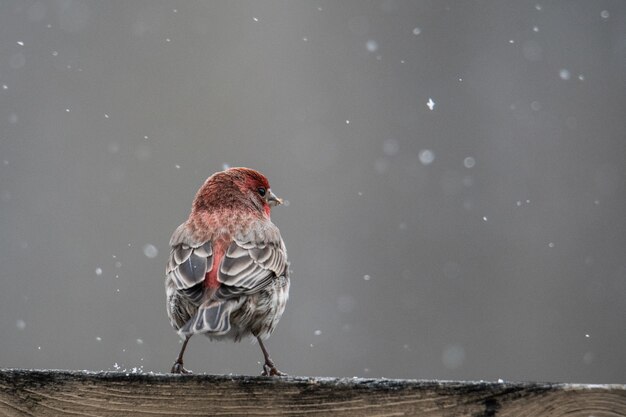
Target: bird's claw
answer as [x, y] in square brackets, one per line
[271, 370]
[177, 368]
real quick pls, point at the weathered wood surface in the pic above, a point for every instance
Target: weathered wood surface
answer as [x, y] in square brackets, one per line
[80, 393]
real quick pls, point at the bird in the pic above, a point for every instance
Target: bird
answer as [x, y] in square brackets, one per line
[227, 276]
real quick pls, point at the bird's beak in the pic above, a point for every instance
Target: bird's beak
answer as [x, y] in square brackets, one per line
[272, 200]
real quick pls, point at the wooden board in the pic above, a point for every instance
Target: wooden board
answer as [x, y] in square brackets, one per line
[81, 393]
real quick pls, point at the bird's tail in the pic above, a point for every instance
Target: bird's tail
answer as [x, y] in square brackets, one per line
[212, 319]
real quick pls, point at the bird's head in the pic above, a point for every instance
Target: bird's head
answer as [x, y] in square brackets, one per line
[237, 188]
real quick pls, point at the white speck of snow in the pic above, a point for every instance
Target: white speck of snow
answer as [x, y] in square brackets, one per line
[168, 40]
[150, 251]
[67, 110]
[140, 341]
[596, 202]
[535, 106]
[360, 193]
[371, 45]
[347, 122]
[20, 324]
[603, 14]
[317, 332]
[551, 244]
[565, 74]
[500, 381]
[430, 103]
[391, 147]
[39, 347]
[225, 166]
[117, 290]
[55, 53]
[581, 77]
[5, 87]
[177, 166]
[527, 201]
[426, 156]
[106, 116]
[366, 370]
[511, 41]
[145, 137]
[305, 39]
[175, 10]
[538, 7]
[98, 338]
[535, 28]
[366, 277]
[469, 162]
[98, 271]
[20, 43]
[453, 356]
[402, 61]
[319, 9]
[417, 31]
[485, 218]
[518, 203]
[256, 19]
[587, 336]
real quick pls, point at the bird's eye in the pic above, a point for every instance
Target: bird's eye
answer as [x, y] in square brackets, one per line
[261, 191]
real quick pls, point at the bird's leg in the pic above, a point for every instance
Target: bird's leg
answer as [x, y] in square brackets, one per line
[177, 368]
[269, 369]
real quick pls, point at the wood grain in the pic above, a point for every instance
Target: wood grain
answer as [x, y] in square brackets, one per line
[81, 393]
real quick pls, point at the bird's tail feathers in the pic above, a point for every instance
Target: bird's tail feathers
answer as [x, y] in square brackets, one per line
[212, 319]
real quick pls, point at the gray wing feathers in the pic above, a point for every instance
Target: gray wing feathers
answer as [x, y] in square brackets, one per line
[189, 262]
[248, 267]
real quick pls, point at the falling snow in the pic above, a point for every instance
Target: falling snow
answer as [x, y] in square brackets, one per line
[426, 156]
[150, 251]
[371, 46]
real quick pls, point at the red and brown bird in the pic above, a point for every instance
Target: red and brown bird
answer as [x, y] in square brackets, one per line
[228, 275]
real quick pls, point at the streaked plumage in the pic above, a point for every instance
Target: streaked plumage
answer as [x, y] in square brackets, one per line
[228, 276]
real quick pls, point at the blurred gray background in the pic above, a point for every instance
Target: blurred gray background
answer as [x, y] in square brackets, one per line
[454, 171]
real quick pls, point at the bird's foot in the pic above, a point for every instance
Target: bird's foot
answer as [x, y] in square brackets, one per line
[177, 368]
[269, 369]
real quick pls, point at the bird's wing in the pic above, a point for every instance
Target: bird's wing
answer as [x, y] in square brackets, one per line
[251, 263]
[189, 262]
